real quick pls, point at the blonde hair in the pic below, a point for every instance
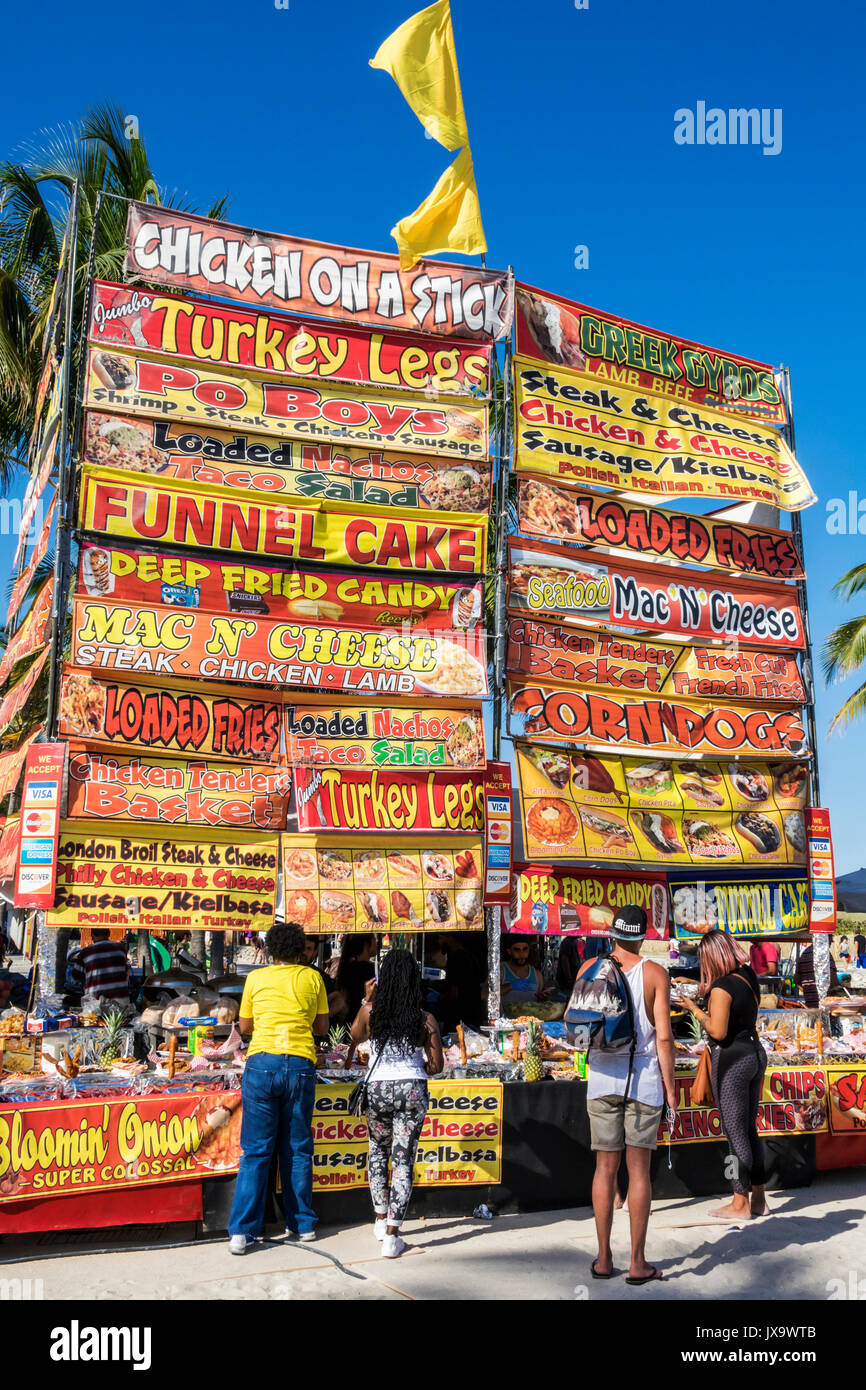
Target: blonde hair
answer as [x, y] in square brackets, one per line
[719, 954]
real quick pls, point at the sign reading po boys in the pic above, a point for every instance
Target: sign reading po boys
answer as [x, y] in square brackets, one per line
[351, 415]
[184, 642]
[234, 337]
[257, 462]
[580, 717]
[568, 426]
[547, 581]
[557, 330]
[170, 719]
[321, 533]
[183, 250]
[560, 512]
[190, 580]
[174, 792]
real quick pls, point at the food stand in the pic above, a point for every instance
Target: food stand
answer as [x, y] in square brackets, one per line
[276, 702]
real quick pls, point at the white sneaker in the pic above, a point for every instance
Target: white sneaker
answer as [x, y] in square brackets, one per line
[392, 1246]
[239, 1245]
[380, 1227]
[305, 1236]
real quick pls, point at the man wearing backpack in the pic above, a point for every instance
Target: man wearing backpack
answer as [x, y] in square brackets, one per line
[631, 1074]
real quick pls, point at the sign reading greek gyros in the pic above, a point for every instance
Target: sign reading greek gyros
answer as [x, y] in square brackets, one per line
[198, 331]
[185, 642]
[562, 512]
[548, 581]
[108, 786]
[351, 415]
[225, 880]
[569, 426]
[551, 329]
[371, 736]
[168, 247]
[191, 580]
[557, 655]
[320, 533]
[204, 720]
[580, 717]
[257, 462]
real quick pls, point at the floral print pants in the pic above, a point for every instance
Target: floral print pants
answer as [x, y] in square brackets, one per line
[395, 1113]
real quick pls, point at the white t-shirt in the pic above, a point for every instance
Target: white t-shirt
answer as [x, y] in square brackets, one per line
[396, 1067]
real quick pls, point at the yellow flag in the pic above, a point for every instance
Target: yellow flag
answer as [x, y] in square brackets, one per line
[421, 58]
[448, 220]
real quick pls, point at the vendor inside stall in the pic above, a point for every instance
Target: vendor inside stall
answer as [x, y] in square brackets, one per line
[518, 976]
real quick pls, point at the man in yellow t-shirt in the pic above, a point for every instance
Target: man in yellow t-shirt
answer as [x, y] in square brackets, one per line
[283, 1006]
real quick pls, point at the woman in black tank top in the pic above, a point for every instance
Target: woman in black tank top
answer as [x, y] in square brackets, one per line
[738, 1065]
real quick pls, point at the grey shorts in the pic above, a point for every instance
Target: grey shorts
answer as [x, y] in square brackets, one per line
[615, 1122]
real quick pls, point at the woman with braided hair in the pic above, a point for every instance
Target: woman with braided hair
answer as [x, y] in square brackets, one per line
[405, 1048]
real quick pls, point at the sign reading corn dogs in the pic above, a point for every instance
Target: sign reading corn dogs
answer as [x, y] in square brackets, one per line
[579, 806]
[553, 653]
[664, 726]
[185, 251]
[256, 462]
[365, 736]
[561, 512]
[547, 581]
[198, 331]
[321, 533]
[170, 718]
[107, 786]
[330, 798]
[350, 415]
[557, 902]
[189, 580]
[551, 329]
[184, 642]
[569, 426]
[426, 885]
[225, 880]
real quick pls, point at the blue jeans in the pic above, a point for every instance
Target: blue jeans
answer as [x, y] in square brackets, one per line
[278, 1094]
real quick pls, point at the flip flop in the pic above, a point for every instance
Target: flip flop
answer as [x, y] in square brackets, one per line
[646, 1278]
[595, 1274]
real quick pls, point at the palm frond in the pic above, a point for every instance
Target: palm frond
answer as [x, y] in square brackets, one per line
[844, 650]
[854, 582]
[853, 708]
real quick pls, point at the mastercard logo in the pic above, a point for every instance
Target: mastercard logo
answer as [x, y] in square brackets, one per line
[498, 832]
[821, 868]
[39, 823]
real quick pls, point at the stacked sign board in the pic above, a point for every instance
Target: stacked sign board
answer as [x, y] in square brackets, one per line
[278, 651]
[654, 693]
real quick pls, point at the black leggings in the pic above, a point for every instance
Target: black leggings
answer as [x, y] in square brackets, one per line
[737, 1085]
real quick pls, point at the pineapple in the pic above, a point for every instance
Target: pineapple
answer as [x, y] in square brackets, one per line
[337, 1035]
[532, 1068]
[110, 1050]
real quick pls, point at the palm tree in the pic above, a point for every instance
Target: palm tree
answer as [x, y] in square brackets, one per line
[845, 649]
[36, 191]
[101, 154]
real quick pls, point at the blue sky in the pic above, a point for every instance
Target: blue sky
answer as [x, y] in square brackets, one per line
[571, 117]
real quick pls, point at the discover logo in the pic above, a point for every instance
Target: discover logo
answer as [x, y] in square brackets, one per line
[77, 1343]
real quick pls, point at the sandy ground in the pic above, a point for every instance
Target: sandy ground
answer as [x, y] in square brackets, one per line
[813, 1237]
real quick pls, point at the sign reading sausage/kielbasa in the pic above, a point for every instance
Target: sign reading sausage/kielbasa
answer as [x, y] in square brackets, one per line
[320, 533]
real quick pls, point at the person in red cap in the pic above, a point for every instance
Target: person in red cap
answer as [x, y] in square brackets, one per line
[630, 1121]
